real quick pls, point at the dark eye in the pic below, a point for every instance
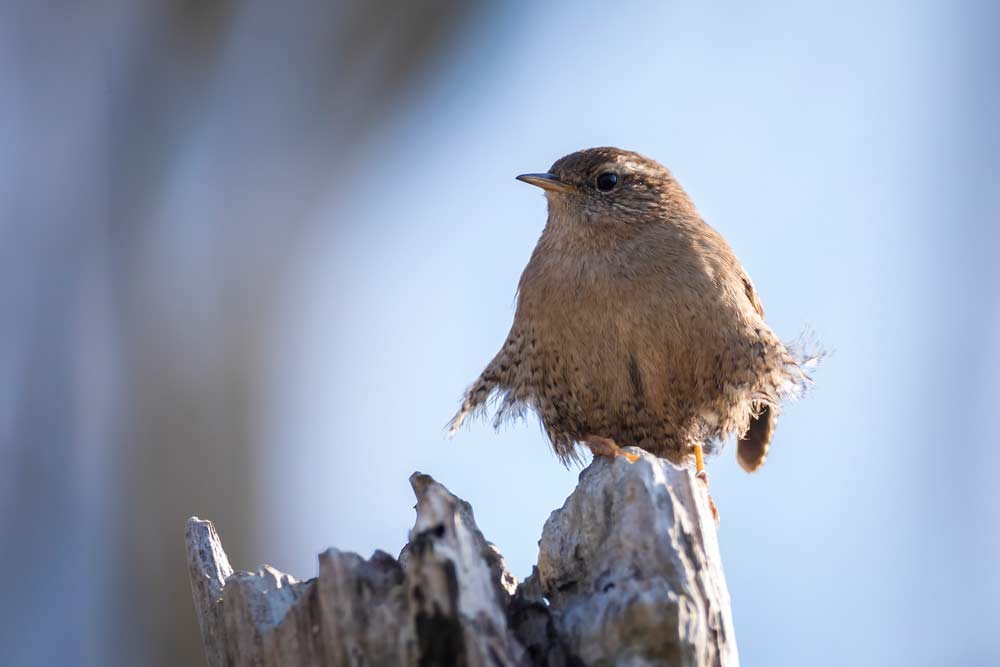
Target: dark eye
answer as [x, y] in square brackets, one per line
[607, 181]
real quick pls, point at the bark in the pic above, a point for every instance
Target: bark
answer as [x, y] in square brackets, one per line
[628, 574]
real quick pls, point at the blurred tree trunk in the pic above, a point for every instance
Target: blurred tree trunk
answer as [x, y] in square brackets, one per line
[167, 156]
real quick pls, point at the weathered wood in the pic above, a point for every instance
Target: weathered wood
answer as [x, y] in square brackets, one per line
[630, 567]
[628, 574]
[208, 569]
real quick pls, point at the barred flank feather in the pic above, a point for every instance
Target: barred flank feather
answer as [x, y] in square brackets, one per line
[475, 400]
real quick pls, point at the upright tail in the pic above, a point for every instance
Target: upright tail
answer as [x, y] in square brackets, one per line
[751, 449]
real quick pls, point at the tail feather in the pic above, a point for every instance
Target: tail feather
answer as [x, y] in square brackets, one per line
[751, 449]
[790, 382]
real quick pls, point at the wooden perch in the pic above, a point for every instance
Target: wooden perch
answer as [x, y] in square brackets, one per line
[628, 573]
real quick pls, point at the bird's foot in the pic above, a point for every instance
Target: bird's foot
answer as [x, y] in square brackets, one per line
[699, 463]
[601, 446]
[703, 476]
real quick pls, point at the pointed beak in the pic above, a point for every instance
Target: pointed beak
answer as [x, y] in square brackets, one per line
[546, 182]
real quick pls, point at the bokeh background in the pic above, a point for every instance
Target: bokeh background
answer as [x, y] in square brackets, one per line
[253, 252]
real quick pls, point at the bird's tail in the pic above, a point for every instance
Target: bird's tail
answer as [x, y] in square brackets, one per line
[751, 449]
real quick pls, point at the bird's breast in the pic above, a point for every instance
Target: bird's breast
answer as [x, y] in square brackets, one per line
[589, 332]
[624, 335]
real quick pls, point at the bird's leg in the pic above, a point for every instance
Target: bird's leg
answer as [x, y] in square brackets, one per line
[699, 464]
[601, 446]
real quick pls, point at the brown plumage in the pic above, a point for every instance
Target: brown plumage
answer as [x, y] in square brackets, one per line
[636, 322]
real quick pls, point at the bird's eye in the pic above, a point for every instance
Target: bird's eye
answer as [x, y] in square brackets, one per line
[607, 181]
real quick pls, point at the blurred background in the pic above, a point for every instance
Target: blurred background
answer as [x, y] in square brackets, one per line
[253, 252]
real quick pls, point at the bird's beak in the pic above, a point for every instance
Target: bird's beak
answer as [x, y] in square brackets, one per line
[546, 182]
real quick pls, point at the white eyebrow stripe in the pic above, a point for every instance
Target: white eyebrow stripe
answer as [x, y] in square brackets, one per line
[633, 166]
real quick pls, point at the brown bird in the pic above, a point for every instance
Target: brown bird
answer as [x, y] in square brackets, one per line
[636, 324]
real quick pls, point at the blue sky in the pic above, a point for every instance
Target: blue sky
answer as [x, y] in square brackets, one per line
[843, 152]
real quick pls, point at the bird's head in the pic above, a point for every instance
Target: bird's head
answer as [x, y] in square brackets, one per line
[605, 188]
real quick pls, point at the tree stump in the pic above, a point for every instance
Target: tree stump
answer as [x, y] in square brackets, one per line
[628, 574]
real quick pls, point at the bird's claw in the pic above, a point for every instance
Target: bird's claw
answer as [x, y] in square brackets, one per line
[715, 512]
[703, 476]
[601, 446]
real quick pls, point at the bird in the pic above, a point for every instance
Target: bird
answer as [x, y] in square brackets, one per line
[636, 325]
